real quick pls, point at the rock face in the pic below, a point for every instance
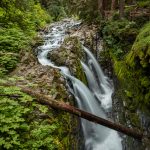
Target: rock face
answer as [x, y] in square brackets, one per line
[69, 54]
[43, 78]
[88, 35]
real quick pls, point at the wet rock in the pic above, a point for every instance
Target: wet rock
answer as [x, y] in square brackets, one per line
[68, 54]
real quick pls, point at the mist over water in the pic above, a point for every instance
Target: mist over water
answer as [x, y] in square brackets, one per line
[94, 98]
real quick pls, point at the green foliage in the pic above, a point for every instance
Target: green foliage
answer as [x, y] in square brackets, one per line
[27, 15]
[56, 8]
[39, 16]
[143, 4]
[25, 124]
[133, 71]
[12, 39]
[139, 60]
[20, 127]
[19, 21]
[118, 36]
[7, 63]
[86, 10]
[141, 48]
[57, 12]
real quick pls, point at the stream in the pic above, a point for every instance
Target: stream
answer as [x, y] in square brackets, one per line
[94, 98]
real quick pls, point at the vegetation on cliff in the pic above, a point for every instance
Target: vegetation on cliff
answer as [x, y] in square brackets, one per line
[128, 47]
[138, 60]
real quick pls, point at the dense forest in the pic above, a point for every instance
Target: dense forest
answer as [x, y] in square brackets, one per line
[123, 26]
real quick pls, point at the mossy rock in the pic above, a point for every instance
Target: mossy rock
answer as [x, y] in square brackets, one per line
[133, 71]
[134, 119]
[141, 48]
[69, 54]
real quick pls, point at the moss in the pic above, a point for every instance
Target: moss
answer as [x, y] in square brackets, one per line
[76, 49]
[67, 125]
[140, 59]
[131, 64]
[133, 71]
[80, 73]
[134, 118]
[141, 48]
[145, 81]
[128, 45]
[144, 4]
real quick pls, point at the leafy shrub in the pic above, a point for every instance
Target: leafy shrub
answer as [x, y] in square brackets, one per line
[57, 12]
[12, 39]
[28, 15]
[19, 21]
[144, 4]
[119, 36]
[7, 62]
[20, 126]
[39, 16]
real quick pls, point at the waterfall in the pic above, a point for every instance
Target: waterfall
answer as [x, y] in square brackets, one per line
[94, 98]
[93, 64]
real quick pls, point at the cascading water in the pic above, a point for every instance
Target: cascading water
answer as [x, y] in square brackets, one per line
[94, 99]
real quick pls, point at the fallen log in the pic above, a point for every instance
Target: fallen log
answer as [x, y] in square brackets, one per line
[46, 100]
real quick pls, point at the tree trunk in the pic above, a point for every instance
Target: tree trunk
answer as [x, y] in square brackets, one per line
[101, 8]
[121, 8]
[113, 5]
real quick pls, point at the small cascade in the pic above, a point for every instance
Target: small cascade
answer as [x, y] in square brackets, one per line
[105, 89]
[93, 64]
[94, 98]
[92, 84]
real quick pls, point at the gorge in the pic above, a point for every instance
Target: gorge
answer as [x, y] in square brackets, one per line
[94, 98]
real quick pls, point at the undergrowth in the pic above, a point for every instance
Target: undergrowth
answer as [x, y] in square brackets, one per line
[22, 125]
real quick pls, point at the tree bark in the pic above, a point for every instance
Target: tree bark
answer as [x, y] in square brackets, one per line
[113, 5]
[101, 8]
[121, 8]
[46, 100]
